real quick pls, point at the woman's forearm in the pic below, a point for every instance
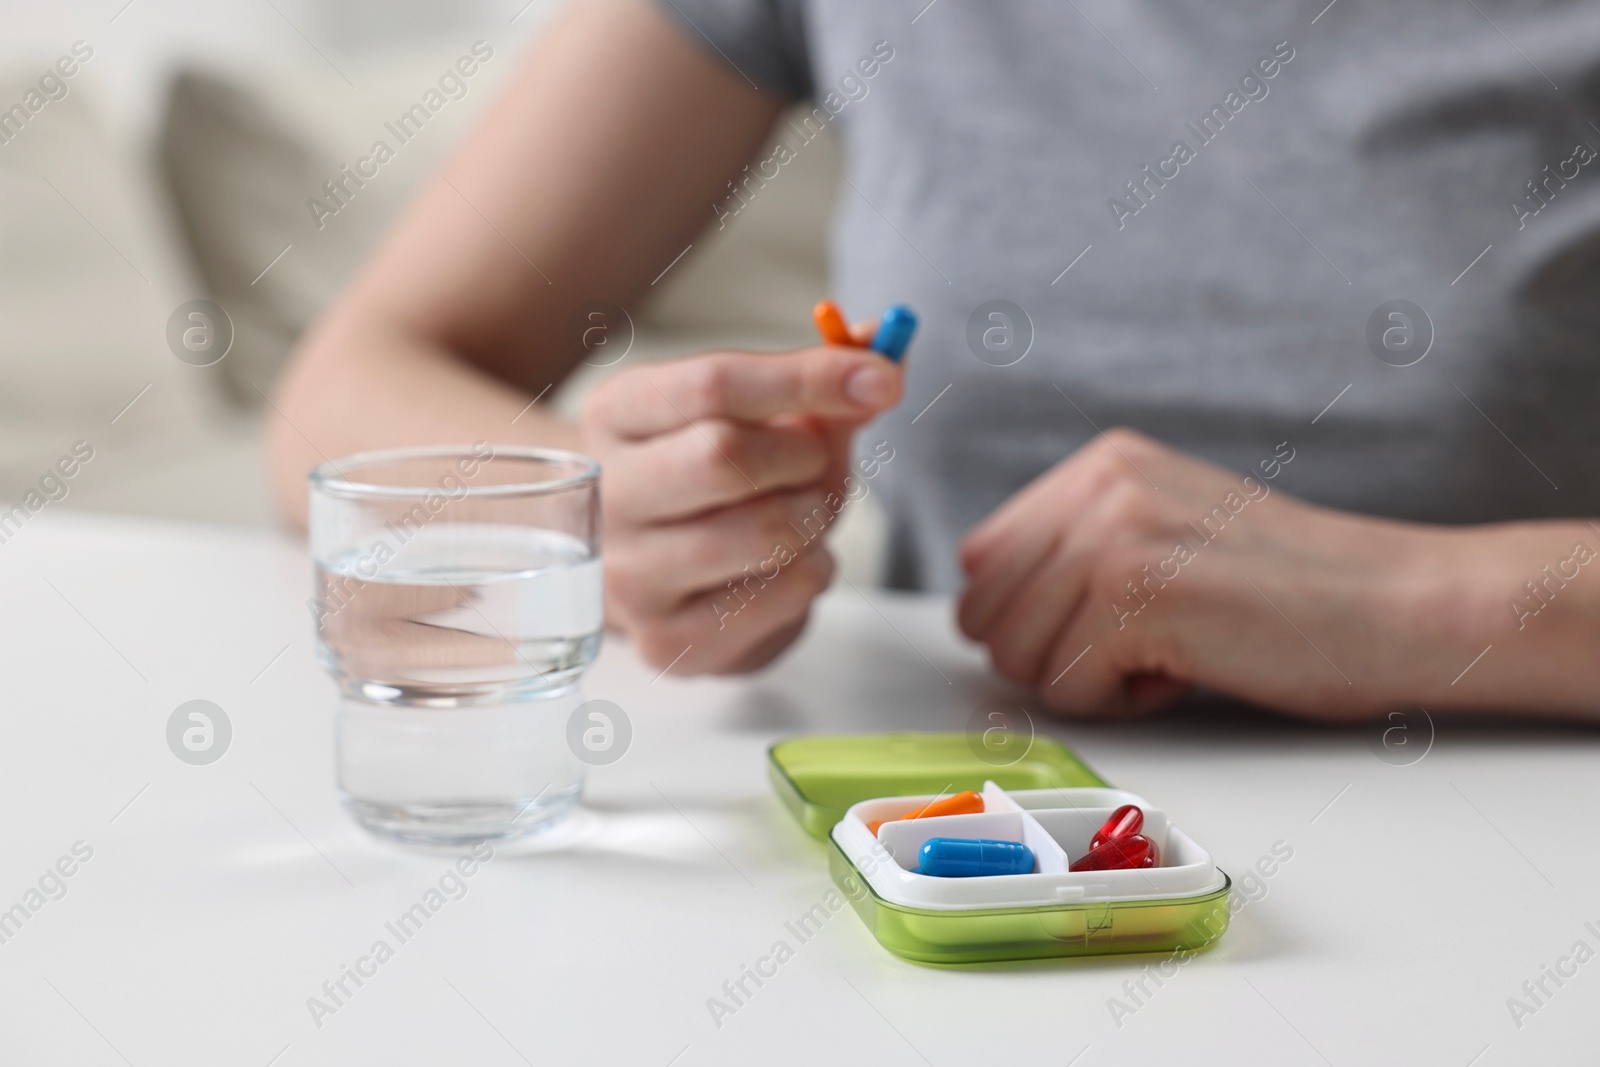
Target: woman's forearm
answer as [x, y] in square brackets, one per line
[1519, 605]
[352, 388]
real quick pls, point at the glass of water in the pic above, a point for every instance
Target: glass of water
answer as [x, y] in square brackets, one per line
[457, 600]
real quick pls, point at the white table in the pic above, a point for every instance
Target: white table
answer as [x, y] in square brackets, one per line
[219, 898]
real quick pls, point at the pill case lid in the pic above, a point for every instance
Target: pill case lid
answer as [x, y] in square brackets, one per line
[818, 778]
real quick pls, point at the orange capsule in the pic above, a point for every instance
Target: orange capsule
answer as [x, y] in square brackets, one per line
[831, 325]
[967, 803]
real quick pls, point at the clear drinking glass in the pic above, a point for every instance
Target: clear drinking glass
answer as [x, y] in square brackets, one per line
[457, 600]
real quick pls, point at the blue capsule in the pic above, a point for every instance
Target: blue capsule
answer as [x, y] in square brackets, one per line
[961, 857]
[894, 332]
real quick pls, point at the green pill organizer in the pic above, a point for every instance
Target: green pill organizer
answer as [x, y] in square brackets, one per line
[1047, 798]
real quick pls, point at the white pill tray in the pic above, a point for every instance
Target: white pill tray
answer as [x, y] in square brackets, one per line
[1055, 823]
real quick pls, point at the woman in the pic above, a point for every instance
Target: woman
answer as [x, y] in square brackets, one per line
[1348, 255]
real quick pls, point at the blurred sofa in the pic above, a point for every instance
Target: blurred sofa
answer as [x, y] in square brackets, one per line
[104, 237]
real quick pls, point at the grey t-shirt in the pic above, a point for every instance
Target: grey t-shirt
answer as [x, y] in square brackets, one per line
[1198, 217]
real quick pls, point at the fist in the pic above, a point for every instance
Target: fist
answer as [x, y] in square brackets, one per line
[1131, 571]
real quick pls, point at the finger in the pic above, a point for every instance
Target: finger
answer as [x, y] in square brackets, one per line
[1095, 686]
[711, 464]
[746, 620]
[1030, 625]
[838, 433]
[1054, 499]
[841, 466]
[863, 332]
[1032, 621]
[1131, 660]
[1081, 679]
[997, 580]
[664, 565]
[831, 382]
[721, 632]
[1097, 670]
[1047, 501]
[1065, 492]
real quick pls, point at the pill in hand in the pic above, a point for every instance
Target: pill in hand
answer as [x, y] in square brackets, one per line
[831, 325]
[1125, 820]
[960, 857]
[894, 332]
[1120, 853]
[967, 803]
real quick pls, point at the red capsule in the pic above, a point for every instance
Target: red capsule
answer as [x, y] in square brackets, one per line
[1125, 820]
[1130, 851]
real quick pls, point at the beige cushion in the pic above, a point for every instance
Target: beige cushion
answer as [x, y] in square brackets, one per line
[246, 149]
[88, 280]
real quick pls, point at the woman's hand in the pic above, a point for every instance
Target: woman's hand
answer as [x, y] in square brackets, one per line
[720, 474]
[1130, 572]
